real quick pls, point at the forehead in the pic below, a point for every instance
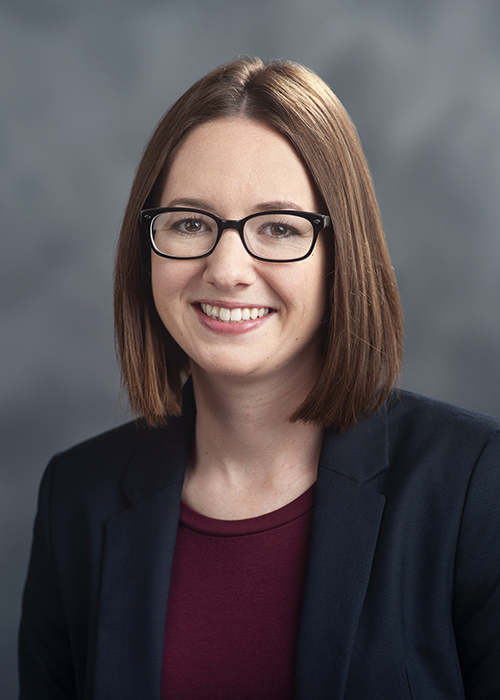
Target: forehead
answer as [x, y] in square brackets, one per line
[238, 162]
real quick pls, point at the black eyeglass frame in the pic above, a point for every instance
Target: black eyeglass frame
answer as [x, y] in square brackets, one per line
[318, 221]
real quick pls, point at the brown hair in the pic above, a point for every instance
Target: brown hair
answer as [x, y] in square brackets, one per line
[362, 344]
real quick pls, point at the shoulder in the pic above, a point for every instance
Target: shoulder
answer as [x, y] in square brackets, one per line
[116, 468]
[443, 460]
[420, 423]
[408, 406]
[105, 455]
[87, 477]
[109, 445]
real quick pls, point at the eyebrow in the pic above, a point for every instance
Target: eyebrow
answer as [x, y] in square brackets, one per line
[261, 206]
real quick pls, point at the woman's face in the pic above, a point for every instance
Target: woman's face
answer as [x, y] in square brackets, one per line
[233, 167]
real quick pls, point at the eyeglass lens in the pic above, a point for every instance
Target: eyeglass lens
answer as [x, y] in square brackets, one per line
[185, 234]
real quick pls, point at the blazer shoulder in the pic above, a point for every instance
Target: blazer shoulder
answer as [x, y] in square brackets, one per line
[419, 425]
[113, 450]
[120, 439]
[133, 459]
[92, 470]
[103, 452]
[407, 408]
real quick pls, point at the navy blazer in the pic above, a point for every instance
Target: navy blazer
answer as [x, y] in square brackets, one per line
[402, 596]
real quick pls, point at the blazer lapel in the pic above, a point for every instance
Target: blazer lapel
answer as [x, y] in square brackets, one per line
[346, 523]
[139, 547]
[138, 552]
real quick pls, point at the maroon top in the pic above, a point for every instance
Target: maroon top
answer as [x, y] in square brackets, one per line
[234, 605]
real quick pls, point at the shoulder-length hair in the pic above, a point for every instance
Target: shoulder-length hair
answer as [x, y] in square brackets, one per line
[362, 339]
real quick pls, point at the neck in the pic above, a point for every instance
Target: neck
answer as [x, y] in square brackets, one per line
[248, 457]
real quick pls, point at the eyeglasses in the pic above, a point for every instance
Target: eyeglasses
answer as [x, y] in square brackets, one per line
[271, 236]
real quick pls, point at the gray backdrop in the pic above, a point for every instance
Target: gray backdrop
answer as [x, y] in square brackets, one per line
[82, 86]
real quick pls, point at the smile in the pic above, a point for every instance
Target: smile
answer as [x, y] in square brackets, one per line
[234, 315]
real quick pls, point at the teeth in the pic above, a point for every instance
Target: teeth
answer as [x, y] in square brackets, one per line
[234, 315]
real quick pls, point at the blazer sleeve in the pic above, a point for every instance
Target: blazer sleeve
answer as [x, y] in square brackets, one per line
[45, 659]
[477, 579]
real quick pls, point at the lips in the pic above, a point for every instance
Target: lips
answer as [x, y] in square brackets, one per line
[235, 315]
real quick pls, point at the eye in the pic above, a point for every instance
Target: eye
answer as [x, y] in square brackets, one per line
[279, 229]
[189, 226]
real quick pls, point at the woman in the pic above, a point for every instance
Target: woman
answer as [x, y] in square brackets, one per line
[281, 524]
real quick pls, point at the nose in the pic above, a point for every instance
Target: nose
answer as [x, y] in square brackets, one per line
[229, 265]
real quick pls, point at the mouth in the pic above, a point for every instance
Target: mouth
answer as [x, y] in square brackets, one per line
[244, 313]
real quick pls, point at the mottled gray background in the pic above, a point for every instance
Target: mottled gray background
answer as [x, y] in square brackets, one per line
[82, 84]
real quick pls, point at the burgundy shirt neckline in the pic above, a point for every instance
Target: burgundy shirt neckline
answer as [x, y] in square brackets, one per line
[248, 526]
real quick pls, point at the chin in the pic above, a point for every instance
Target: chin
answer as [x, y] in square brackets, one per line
[227, 367]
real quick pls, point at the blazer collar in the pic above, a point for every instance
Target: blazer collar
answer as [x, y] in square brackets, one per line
[139, 546]
[359, 453]
[346, 523]
[160, 459]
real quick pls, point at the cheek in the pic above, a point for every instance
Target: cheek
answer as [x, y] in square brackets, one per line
[171, 278]
[170, 281]
[304, 295]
